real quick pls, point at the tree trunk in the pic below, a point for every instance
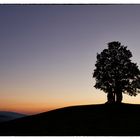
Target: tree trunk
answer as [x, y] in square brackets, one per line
[119, 97]
[110, 97]
[114, 97]
[118, 92]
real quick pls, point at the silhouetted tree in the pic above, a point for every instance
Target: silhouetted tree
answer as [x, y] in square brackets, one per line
[115, 73]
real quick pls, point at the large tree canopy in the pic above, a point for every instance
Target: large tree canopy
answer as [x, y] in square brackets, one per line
[115, 73]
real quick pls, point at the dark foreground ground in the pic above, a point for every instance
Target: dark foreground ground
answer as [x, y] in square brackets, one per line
[88, 120]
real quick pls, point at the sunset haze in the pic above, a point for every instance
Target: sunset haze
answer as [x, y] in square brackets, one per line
[48, 53]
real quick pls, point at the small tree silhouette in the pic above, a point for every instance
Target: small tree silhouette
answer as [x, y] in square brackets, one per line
[115, 73]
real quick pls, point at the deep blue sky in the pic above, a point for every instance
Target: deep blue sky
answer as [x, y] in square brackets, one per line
[48, 52]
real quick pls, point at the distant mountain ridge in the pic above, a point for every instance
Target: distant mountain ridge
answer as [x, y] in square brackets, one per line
[7, 116]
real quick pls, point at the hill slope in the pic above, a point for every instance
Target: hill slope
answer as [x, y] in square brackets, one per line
[88, 120]
[7, 116]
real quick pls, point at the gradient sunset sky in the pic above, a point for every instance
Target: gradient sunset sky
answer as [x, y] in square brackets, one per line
[48, 53]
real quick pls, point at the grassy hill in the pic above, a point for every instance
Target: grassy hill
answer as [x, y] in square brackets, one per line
[86, 120]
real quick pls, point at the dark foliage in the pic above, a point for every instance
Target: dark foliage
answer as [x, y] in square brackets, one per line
[115, 73]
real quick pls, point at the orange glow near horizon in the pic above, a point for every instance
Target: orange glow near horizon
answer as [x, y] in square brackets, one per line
[39, 107]
[44, 105]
